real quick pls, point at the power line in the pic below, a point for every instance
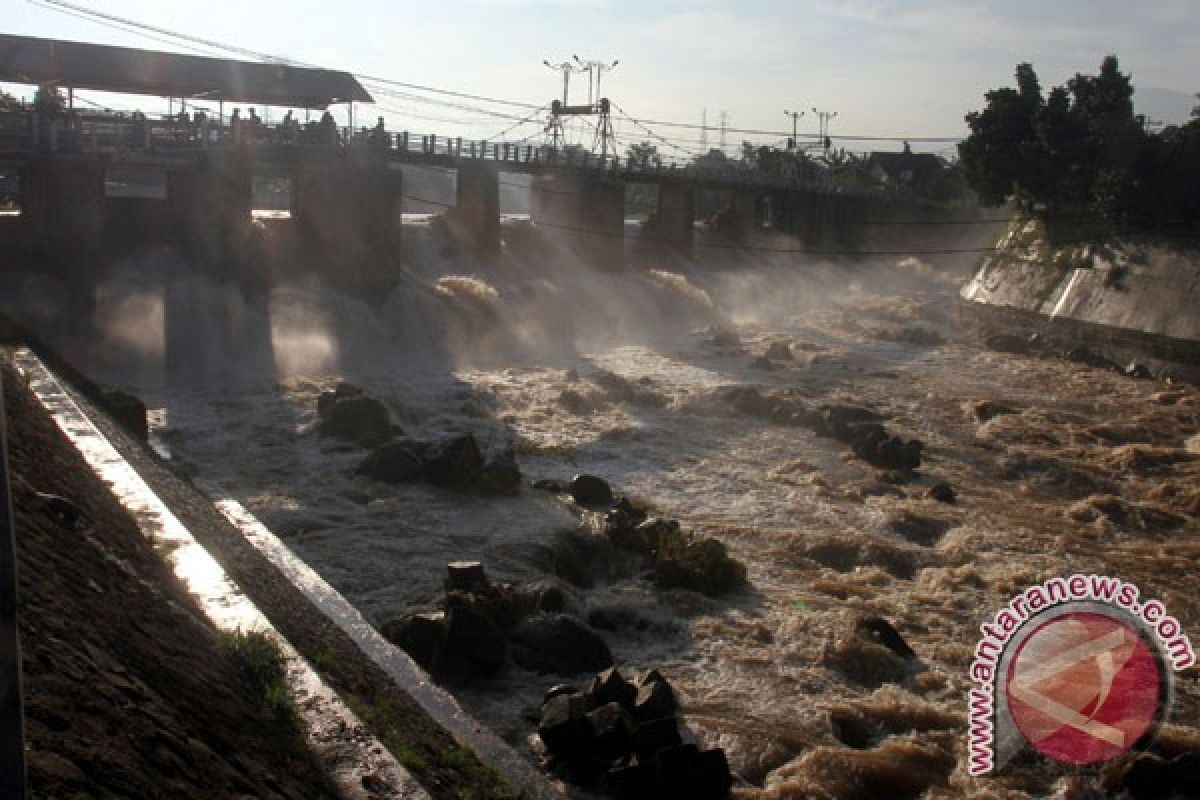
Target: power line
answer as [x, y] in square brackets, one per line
[517, 124]
[451, 93]
[130, 27]
[127, 25]
[174, 34]
[133, 26]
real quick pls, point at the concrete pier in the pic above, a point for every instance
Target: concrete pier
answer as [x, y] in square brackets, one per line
[676, 216]
[475, 220]
[63, 206]
[206, 207]
[744, 207]
[584, 212]
[349, 216]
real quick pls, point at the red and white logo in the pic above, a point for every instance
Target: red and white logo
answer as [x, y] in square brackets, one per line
[1079, 668]
[1084, 687]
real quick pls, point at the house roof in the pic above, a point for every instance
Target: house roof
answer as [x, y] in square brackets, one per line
[30, 60]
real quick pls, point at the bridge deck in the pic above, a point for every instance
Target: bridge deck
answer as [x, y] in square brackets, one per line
[184, 140]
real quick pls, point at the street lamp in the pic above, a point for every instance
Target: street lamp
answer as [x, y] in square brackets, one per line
[566, 68]
[825, 116]
[596, 69]
[795, 115]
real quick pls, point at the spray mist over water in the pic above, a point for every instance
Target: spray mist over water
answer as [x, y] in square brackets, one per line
[498, 352]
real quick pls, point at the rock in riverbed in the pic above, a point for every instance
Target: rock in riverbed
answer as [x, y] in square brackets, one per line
[559, 644]
[394, 462]
[588, 490]
[455, 462]
[356, 418]
[626, 739]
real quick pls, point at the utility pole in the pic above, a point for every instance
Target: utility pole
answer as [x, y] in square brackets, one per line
[704, 130]
[795, 115]
[825, 116]
[724, 117]
[595, 70]
[566, 68]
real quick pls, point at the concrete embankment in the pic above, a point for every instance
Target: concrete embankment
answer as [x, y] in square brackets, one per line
[148, 662]
[1129, 300]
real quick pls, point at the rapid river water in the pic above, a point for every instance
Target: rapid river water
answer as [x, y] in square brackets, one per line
[524, 356]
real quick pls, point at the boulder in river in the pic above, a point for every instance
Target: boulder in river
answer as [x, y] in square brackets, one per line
[702, 566]
[1136, 369]
[1082, 355]
[475, 643]
[877, 447]
[564, 727]
[747, 400]
[454, 461]
[465, 576]
[1010, 343]
[340, 391]
[394, 462]
[559, 644]
[843, 422]
[501, 474]
[420, 635]
[654, 699]
[589, 490]
[687, 771]
[610, 686]
[943, 493]
[886, 634]
[612, 731]
[636, 756]
[779, 351]
[359, 419]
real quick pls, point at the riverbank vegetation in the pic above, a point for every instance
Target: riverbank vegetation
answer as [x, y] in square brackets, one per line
[1079, 152]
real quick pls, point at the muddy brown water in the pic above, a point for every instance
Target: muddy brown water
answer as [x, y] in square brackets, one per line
[1059, 468]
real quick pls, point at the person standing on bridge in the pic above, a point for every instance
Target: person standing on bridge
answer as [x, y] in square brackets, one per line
[380, 138]
[253, 125]
[329, 132]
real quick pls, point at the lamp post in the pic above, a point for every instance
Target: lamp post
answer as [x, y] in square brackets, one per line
[795, 115]
[825, 116]
[566, 68]
[595, 70]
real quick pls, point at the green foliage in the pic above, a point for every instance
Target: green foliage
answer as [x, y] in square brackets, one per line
[1081, 149]
[48, 102]
[259, 658]
[643, 155]
[713, 160]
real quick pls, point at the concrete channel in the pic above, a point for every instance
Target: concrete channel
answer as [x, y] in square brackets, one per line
[355, 758]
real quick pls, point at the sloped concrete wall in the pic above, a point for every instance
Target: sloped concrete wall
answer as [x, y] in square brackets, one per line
[1147, 287]
[1128, 301]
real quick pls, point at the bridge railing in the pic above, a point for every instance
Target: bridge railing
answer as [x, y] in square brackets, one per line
[24, 130]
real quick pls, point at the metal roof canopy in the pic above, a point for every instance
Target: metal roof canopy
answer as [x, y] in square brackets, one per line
[128, 70]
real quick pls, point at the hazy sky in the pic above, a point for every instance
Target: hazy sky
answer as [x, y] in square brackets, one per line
[887, 67]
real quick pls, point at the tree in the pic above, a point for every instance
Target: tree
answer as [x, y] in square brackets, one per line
[48, 102]
[996, 155]
[644, 156]
[8, 102]
[1082, 148]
